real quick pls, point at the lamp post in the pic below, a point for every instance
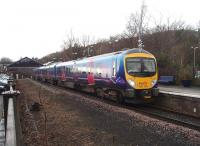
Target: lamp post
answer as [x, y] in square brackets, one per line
[74, 55]
[116, 41]
[100, 48]
[89, 49]
[110, 43]
[113, 45]
[194, 65]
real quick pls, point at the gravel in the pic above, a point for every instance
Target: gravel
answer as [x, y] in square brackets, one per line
[74, 119]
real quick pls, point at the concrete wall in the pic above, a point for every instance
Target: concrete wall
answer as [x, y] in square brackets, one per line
[11, 129]
[182, 104]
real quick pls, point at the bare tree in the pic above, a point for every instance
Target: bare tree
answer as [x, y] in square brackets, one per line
[85, 40]
[70, 44]
[5, 60]
[70, 41]
[175, 25]
[167, 24]
[138, 22]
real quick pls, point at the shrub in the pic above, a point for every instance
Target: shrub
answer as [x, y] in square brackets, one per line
[186, 73]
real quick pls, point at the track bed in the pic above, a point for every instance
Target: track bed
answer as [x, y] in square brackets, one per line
[73, 119]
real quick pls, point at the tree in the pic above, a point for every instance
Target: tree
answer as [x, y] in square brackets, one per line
[138, 22]
[70, 44]
[85, 40]
[5, 60]
[167, 24]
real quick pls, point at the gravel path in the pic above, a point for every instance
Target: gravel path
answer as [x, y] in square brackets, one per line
[72, 119]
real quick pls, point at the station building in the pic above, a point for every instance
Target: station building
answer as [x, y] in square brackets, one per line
[23, 67]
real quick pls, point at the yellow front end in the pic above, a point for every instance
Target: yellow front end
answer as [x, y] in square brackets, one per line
[141, 85]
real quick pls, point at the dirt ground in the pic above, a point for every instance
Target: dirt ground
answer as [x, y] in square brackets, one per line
[66, 118]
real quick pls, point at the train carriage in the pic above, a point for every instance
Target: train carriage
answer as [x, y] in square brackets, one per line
[40, 73]
[64, 75]
[130, 74]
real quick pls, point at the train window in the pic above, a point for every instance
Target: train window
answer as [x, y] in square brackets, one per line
[149, 65]
[114, 69]
[62, 69]
[118, 63]
[140, 66]
[133, 65]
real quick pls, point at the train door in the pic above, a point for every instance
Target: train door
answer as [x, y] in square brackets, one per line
[63, 73]
[114, 66]
[117, 64]
[54, 72]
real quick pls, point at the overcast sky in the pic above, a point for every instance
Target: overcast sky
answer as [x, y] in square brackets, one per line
[35, 28]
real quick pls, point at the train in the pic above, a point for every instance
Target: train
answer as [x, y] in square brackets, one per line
[131, 74]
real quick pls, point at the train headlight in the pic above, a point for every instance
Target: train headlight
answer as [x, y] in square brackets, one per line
[131, 83]
[153, 82]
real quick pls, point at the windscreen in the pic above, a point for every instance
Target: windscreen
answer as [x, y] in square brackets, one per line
[141, 66]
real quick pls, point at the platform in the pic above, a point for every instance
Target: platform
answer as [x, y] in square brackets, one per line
[179, 99]
[180, 90]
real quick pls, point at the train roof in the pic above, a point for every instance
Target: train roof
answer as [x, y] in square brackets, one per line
[66, 63]
[127, 51]
[53, 64]
[47, 66]
[136, 50]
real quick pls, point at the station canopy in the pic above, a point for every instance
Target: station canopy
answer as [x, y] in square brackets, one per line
[25, 62]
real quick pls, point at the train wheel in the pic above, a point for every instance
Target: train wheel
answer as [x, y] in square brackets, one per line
[100, 93]
[77, 87]
[120, 98]
[55, 82]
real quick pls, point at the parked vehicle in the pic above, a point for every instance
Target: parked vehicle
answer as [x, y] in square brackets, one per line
[4, 82]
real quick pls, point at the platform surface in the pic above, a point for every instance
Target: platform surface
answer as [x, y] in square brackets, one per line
[180, 90]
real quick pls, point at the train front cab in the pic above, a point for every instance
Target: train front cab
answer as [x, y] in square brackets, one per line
[141, 75]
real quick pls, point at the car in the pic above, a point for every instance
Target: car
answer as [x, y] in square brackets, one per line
[4, 81]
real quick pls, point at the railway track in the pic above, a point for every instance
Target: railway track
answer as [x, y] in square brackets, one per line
[149, 110]
[169, 116]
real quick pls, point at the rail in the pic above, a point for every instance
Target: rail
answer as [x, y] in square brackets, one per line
[168, 115]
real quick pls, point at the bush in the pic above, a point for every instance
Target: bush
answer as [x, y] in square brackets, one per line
[197, 82]
[186, 73]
